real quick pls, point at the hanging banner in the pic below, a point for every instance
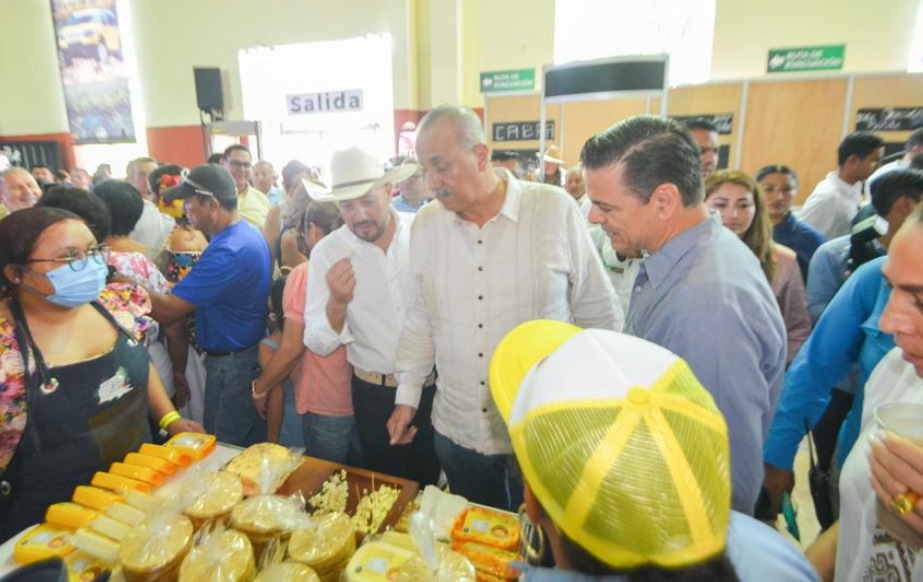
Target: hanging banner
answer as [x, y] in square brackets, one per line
[93, 71]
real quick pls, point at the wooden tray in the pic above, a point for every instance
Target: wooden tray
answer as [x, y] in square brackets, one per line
[310, 477]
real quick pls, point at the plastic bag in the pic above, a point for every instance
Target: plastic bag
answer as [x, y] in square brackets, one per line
[326, 545]
[220, 555]
[436, 563]
[263, 468]
[154, 549]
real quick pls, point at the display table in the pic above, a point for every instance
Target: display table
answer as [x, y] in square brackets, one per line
[307, 479]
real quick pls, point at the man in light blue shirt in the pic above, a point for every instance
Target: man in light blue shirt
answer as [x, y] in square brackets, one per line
[700, 292]
[414, 193]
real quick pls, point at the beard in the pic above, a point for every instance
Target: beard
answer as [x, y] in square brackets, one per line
[369, 236]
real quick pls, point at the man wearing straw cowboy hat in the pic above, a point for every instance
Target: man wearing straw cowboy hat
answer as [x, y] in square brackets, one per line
[553, 161]
[358, 295]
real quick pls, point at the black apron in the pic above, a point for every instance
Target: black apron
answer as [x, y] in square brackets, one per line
[80, 418]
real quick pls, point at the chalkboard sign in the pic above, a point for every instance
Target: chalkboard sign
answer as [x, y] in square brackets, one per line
[890, 119]
[522, 130]
[723, 121]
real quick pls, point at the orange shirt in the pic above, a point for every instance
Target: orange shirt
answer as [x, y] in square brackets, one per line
[322, 384]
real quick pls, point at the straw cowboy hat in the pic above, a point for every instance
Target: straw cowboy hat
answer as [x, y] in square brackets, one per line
[553, 155]
[353, 173]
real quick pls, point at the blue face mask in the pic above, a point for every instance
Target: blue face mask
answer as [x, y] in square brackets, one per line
[75, 288]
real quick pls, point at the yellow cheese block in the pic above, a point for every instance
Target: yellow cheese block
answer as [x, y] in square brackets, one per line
[83, 567]
[126, 513]
[164, 466]
[376, 562]
[94, 497]
[172, 454]
[69, 515]
[144, 474]
[118, 483]
[196, 445]
[140, 500]
[95, 544]
[42, 542]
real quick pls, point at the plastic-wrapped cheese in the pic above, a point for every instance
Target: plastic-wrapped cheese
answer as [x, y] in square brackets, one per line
[154, 549]
[326, 546]
[94, 497]
[42, 541]
[453, 567]
[222, 556]
[288, 572]
[221, 492]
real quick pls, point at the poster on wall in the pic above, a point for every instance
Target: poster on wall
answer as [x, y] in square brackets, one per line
[93, 71]
[889, 119]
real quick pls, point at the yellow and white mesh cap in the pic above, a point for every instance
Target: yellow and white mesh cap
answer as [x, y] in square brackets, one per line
[626, 451]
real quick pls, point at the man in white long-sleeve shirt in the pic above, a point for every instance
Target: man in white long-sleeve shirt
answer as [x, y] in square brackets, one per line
[491, 253]
[358, 294]
[835, 200]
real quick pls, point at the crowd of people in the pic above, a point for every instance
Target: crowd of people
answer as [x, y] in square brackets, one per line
[631, 348]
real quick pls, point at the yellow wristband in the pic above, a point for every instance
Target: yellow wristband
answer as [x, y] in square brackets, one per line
[168, 419]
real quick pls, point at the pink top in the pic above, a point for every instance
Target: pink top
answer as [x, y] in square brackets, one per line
[788, 288]
[140, 269]
[322, 384]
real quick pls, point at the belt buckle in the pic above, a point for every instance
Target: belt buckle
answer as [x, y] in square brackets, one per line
[6, 488]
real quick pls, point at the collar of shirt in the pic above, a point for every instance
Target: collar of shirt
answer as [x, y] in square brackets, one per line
[658, 265]
[851, 191]
[511, 202]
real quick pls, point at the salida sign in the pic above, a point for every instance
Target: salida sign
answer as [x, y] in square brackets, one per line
[328, 102]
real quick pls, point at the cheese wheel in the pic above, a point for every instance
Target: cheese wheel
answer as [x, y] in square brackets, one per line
[155, 548]
[288, 572]
[222, 491]
[327, 546]
[223, 556]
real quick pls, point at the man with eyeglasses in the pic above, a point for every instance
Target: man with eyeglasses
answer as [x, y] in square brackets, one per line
[413, 192]
[252, 204]
[227, 289]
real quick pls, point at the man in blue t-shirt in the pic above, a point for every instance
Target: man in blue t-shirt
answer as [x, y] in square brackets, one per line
[227, 289]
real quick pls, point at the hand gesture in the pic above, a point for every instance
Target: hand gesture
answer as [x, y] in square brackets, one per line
[399, 428]
[341, 280]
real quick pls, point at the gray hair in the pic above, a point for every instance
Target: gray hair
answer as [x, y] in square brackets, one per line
[14, 170]
[466, 122]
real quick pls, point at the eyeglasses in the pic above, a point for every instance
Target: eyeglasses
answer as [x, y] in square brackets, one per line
[240, 164]
[78, 260]
[199, 189]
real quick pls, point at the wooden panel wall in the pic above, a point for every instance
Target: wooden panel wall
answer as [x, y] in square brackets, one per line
[796, 123]
[905, 91]
[583, 120]
[518, 108]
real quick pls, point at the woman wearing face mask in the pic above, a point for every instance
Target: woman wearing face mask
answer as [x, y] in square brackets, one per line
[75, 379]
[742, 206]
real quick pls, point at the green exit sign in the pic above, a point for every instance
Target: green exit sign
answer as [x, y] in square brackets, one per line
[811, 58]
[516, 80]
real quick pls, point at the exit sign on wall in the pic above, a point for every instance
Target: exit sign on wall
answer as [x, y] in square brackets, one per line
[810, 58]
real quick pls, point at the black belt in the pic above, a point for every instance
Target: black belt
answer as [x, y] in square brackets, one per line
[217, 354]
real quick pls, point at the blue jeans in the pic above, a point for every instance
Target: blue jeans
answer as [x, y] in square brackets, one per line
[332, 438]
[290, 434]
[229, 411]
[492, 480]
